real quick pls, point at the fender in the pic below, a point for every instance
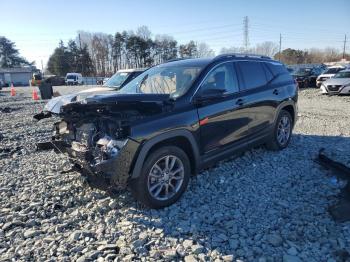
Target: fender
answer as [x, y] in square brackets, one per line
[289, 102]
[136, 171]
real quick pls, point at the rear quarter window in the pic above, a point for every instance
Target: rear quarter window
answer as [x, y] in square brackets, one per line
[280, 72]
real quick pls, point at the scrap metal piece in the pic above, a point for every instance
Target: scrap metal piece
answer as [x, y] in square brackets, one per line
[42, 115]
[340, 211]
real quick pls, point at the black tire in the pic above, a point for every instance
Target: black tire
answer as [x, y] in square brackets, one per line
[306, 84]
[274, 143]
[140, 188]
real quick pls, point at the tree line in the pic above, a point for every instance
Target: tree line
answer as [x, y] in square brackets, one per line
[104, 54]
[100, 54]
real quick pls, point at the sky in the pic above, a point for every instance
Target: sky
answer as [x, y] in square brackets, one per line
[36, 26]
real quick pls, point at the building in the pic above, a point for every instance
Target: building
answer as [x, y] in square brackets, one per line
[19, 76]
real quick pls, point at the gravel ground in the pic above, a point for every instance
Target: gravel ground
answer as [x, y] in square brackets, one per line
[262, 206]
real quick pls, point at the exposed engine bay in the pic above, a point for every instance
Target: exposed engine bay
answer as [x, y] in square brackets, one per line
[96, 135]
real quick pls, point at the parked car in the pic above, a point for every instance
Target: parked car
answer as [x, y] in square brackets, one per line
[55, 80]
[105, 80]
[338, 84]
[118, 80]
[175, 119]
[74, 79]
[328, 73]
[306, 77]
[122, 77]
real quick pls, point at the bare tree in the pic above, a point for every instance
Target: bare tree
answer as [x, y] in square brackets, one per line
[204, 50]
[144, 32]
[267, 48]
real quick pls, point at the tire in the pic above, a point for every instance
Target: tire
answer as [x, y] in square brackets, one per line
[306, 84]
[275, 142]
[151, 175]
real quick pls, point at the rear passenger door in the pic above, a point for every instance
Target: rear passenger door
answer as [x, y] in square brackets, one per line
[258, 96]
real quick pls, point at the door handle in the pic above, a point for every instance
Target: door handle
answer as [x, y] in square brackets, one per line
[240, 102]
[275, 92]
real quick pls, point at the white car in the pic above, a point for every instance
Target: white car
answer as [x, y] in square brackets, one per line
[117, 81]
[339, 84]
[328, 73]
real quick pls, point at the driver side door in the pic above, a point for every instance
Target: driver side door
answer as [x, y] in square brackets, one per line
[222, 118]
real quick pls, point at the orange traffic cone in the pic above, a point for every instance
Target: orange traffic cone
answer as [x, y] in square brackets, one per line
[13, 90]
[35, 94]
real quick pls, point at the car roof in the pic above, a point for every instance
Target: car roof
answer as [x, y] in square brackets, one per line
[131, 70]
[187, 62]
[338, 66]
[223, 57]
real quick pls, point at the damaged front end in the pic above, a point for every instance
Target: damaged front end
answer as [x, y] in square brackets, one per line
[96, 137]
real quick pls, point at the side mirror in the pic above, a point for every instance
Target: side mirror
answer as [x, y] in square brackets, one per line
[210, 94]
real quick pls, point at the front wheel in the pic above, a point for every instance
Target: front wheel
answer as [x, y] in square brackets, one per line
[282, 132]
[163, 179]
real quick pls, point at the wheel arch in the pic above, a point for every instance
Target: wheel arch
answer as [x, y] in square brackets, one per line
[180, 138]
[290, 107]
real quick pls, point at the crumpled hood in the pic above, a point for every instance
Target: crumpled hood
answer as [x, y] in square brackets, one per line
[55, 104]
[337, 81]
[116, 104]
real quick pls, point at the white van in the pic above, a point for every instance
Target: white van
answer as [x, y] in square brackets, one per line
[74, 79]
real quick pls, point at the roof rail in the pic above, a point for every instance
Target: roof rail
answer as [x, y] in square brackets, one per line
[176, 59]
[241, 55]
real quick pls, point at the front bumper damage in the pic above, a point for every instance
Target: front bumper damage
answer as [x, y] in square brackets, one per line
[96, 155]
[113, 172]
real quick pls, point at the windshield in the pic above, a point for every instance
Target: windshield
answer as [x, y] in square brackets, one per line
[343, 75]
[333, 70]
[117, 79]
[71, 77]
[173, 80]
[303, 71]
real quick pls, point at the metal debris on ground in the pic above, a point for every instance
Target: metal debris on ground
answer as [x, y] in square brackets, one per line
[340, 167]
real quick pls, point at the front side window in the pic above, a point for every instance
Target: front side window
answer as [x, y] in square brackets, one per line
[253, 74]
[222, 78]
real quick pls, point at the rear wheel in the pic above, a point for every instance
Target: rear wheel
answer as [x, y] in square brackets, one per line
[282, 132]
[163, 179]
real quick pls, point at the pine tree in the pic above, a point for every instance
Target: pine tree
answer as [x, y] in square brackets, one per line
[9, 55]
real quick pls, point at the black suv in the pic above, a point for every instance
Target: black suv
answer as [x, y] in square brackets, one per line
[306, 77]
[176, 119]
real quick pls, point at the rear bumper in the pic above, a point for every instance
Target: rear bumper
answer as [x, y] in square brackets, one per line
[114, 172]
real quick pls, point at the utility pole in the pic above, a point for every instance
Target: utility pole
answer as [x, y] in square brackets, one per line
[344, 47]
[279, 53]
[81, 55]
[42, 68]
[246, 33]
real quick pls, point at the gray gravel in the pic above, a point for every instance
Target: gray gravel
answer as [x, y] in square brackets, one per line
[262, 206]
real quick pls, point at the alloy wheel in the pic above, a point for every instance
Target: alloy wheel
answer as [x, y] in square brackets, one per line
[165, 177]
[283, 130]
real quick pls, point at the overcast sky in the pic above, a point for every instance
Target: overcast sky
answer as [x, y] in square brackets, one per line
[37, 26]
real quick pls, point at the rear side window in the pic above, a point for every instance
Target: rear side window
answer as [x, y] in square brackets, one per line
[253, 74]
